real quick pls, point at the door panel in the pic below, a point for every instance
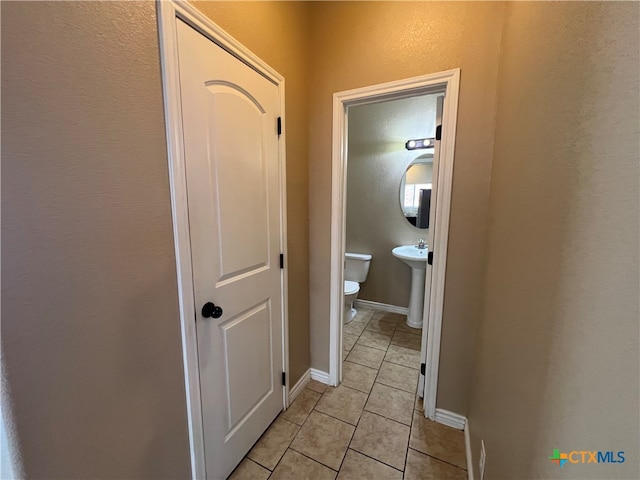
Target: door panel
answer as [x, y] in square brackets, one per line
[236, 126]
[229, 114]
[435, 183]
[249, 374]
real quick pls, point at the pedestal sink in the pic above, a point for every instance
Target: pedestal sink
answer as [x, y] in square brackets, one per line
[416, 258]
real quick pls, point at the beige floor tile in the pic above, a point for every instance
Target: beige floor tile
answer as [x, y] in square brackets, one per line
[393, 375]
[437, 440]
[363, 314]
[348, 341]
[355, 327]
[391, 403]
[301, 407]
[295, 466]
[382, 439]
[359, 467]
[407, 340]
[358, 377]
[249, 470]
[403, 327]
[316, 386]
[377, 324]
[424, 467]
[273, 443]
[343, 403]
[374, 340]
[324, 439]
[396, 318]
[380, 373]
[367, 356]
[403, 356]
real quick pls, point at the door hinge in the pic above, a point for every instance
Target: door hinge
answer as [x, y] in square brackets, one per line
[282, 260]
[430, 258]
[284, 379]
[423, 368]
[439, 132]
[279, 126]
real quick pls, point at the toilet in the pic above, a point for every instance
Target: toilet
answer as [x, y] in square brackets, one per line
[355, 272]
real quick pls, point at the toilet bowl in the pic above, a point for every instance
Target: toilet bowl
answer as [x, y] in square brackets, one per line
[356, 271]
[351, 290]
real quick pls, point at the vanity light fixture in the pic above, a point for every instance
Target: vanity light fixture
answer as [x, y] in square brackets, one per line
[420, 143]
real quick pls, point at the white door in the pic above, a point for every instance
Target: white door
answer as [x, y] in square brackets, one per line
[230, 115]
[430, 242]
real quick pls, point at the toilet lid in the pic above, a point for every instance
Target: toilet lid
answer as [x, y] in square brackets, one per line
[351, 287]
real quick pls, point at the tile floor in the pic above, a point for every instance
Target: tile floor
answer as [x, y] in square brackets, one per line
[370, 427]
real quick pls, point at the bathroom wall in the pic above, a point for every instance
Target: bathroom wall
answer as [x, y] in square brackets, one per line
[355, 44]
[558, 344]
[376, 163]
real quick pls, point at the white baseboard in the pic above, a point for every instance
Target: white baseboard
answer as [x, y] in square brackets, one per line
[382, 306]
[450, 419]
[299, 386]
[467, 444]
[319, 376]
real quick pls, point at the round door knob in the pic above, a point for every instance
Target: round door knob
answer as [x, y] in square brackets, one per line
[211, 310]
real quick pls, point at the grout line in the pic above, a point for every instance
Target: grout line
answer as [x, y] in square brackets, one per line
[401, 365]
[368, 395]
[311, 458]
[410, 333]
[388, 418]
[375, 459]
[255, 461]
[391, 420]
[288, 445]
[350, 440]
[349, 361]
[339, 419]
[404, 346]
[362, 364]
[370, 317]
[377, 348]
[298, 432]
[395, 386]
[439, 459]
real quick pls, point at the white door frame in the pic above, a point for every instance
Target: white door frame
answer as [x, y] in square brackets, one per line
[448, 82]
[168, 11]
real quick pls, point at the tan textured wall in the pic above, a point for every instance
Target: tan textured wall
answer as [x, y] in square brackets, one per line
[355, 44]
[376, 163]
[557, 360]
[278, 33]
[90, 327]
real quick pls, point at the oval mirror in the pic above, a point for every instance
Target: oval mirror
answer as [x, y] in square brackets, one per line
[415, 191]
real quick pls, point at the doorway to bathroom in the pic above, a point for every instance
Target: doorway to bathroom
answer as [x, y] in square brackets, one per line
[392, 169]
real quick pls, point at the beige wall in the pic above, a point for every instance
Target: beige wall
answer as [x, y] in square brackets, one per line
[278, 33]
[355, 44]
[376, 163]
[90, 329]
[557, 360]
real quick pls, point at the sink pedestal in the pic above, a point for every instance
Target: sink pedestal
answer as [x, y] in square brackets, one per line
[416, 258]
[416, 300]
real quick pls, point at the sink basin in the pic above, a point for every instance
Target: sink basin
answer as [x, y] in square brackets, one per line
[416, 258]
[412, 255]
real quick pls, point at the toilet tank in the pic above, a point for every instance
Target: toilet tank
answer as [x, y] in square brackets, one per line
[356, 266]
